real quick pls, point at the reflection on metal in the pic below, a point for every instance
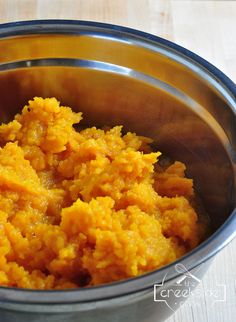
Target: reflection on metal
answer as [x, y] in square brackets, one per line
[119, 76]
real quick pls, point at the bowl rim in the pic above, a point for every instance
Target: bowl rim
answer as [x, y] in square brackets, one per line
[197, 256]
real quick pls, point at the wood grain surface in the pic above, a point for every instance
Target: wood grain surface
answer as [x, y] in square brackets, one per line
[205, 27]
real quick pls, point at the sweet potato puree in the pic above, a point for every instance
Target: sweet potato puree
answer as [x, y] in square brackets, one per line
[81, 208]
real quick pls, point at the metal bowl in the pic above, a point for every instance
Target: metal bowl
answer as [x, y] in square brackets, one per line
[116, 75]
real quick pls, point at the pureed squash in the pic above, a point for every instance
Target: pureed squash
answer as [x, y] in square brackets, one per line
[82, 208]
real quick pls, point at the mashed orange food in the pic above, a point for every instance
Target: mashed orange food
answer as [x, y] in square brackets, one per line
[86, 207]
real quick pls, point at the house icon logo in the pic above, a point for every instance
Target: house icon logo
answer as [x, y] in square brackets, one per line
[187, 286]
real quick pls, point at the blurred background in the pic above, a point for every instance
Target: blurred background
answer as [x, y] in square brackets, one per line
[208, 28]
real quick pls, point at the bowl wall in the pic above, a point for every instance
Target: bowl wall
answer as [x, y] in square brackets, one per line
[116, 76]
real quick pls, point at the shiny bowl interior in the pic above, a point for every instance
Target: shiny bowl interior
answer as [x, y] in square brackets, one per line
[116, 75]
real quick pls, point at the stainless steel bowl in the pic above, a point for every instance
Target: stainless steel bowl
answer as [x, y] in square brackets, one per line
[116, 75]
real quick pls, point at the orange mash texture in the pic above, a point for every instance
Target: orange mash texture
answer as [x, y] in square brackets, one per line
[86, 207]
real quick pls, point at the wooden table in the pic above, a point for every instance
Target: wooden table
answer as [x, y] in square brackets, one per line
[205, 27]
